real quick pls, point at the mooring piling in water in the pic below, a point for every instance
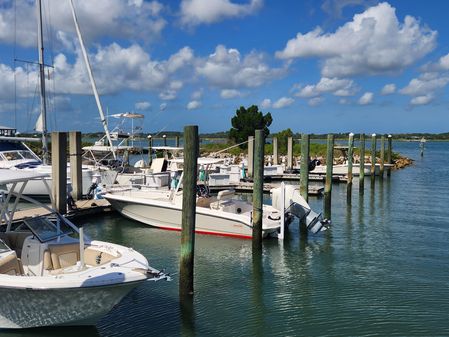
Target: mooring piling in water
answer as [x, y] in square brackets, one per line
[275, 150]
[373, 156]
[350, 155]
[362, 164]
[186, 266]
[304, 168]
[164, 137]
[177, 141]
[250, 156]
[59, 170]
[258, 189]
[289, 153]
[389, 154]
[75, 164]
[382, 156]
[328, 182]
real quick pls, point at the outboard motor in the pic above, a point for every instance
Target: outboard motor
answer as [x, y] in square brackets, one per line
[296, 205]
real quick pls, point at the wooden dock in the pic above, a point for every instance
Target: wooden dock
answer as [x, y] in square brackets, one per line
[246, 186]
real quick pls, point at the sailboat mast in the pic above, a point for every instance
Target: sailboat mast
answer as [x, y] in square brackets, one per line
[42, 83]
[92, 80]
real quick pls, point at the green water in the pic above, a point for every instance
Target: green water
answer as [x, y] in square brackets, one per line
[381, 270]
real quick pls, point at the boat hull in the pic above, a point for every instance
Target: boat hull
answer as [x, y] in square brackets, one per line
[170, 217]
[29, 308]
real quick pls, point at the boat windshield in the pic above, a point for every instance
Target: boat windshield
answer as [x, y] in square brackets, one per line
[46, 228]
[17, 155]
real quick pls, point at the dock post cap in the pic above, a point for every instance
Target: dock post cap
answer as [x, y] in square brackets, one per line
[351, 134]
[374, 135]
[389, 136]
[149, 136]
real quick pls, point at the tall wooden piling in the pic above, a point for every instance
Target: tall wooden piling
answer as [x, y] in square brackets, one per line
[250, 156]
[362, 164]
[177, 141]
[389, 154]
[275, 151]
[164, 137]
[328, 183]
[382, 156]
[258, 189]
[373, 155]
[304, 169]
[59, 170]
[191, 149]
[350, 158]
[289, 153]
[75, 164]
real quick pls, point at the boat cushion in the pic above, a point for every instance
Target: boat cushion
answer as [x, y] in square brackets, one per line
[10, 265]
[64, 255]
[94, 257]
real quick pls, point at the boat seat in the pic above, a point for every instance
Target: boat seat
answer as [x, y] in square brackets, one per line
[11, 265]
[63, 255]
[94, 257]
[205, 202]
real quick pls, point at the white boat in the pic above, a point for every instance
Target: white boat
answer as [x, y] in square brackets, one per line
[222, 215]
[15, 155]
[51, 274]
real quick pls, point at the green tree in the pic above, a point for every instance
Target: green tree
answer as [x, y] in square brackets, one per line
[246, 121]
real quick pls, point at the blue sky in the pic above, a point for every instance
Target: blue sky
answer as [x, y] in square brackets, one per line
[317, 66]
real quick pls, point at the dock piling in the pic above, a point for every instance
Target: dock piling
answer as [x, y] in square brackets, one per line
[258, 190]
[289, 153]
[350, 158]
[250, 156]
[304, 175]
[59, 170]
[164, 137]
[389, 154]
[373, 156]
[75, 164]
[275, 151]
[191, 149]
[362, 164]
[328, 183]
[382, 156]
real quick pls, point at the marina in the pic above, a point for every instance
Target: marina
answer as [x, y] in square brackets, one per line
[384, 252]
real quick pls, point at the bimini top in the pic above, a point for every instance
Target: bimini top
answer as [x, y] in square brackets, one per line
[16, 176]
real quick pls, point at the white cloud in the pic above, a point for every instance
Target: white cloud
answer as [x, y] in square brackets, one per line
[423, 85]
[196, 12]
[440, 66]
[193, 105]
[163, 106]
[336, 86]
[422, 100]
[367, 98]
[197, 95]
[388, 89]
[229, 93]
[283, 102]
[315, 101]
[374, 42]
[227, 69]
[266, 103]
[100, 18]
[144, 105]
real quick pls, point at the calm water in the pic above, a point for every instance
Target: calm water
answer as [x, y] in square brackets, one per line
[382, 270]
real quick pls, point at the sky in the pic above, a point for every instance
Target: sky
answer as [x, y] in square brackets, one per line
[316, 66]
